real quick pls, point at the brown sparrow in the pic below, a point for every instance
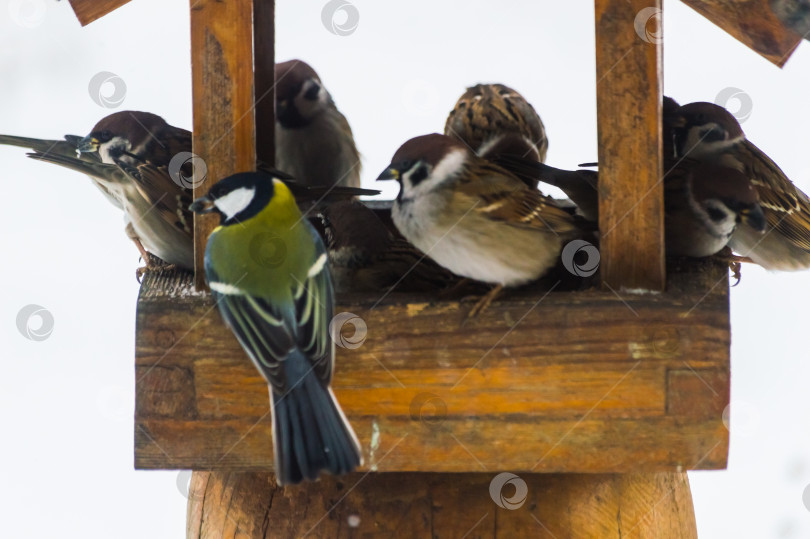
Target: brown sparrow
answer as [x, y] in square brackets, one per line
[473, 217]
[494, 121]
[709, 133]
[127, 155]
[314, 142]
[364, 255]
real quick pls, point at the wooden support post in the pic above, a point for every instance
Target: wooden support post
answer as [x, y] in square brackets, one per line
[223, 94]
[629, 95]
[251, 506]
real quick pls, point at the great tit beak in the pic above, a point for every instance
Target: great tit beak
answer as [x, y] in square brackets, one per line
[88, 144]
[390, 173]
[202, 205]
[754, 217]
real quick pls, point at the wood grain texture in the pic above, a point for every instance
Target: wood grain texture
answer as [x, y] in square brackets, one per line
[88, 11]
[753, 23]
[628, 99]
[555, 382]
[265, 79]
[223, 94]
[250, 506]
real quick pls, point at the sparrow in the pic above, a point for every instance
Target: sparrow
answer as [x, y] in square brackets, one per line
[144, 166]
[474, 217]
[704, 203]
[703, 206]
[365, 256]
[314, 142]
[709, 133]
[268, 272]
[495, 121]
[127, 155]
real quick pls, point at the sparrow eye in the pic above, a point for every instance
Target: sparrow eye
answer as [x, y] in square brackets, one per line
[418, 175]
[713, 134]
[716, 214]
[312, 93]
[105, 136]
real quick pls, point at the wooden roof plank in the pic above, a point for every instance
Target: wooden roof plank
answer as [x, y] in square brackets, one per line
[753, 23]
[88, 11]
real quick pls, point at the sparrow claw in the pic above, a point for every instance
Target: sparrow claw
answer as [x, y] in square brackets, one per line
[484, 302]
[153, 263]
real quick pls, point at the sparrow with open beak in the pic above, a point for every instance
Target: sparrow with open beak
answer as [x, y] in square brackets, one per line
[709, 133]
[496, 121]
[144, 166]
[365, 256]
[127, 155]
[314, 142]
[473, 217]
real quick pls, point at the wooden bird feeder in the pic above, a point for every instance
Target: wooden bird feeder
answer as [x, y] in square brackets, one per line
[598, 400]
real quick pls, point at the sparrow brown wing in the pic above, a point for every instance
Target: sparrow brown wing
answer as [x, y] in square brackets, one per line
[503, 197]
[486, 112]
[786, 207]
[164, 195]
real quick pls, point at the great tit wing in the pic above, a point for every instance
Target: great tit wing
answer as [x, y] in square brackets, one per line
[314, 308]
[261, 331]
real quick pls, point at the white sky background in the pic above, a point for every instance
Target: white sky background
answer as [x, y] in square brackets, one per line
[66, 403]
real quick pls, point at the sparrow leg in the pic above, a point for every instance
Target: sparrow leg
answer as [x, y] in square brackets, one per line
[735, 263]
[453, 289]
[484, 302]
[153, 263]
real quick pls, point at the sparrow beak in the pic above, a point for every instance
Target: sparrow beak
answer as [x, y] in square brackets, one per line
[754, 217]
[390, 173]
[88, 144]
[678, 122]
[202, 205]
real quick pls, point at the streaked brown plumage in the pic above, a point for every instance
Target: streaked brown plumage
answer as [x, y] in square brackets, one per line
[474, 217]
[709, 133]
[495, 120]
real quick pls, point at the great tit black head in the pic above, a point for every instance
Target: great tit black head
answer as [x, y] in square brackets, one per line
[236, 198]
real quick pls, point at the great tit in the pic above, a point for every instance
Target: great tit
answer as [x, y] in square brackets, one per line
[267, 269]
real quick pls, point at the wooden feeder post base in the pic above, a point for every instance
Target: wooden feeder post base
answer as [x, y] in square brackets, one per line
[250, 505]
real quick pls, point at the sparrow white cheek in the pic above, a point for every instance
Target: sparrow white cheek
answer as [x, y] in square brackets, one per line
[112, 147]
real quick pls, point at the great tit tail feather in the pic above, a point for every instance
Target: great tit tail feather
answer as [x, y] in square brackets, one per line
[310, 433]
